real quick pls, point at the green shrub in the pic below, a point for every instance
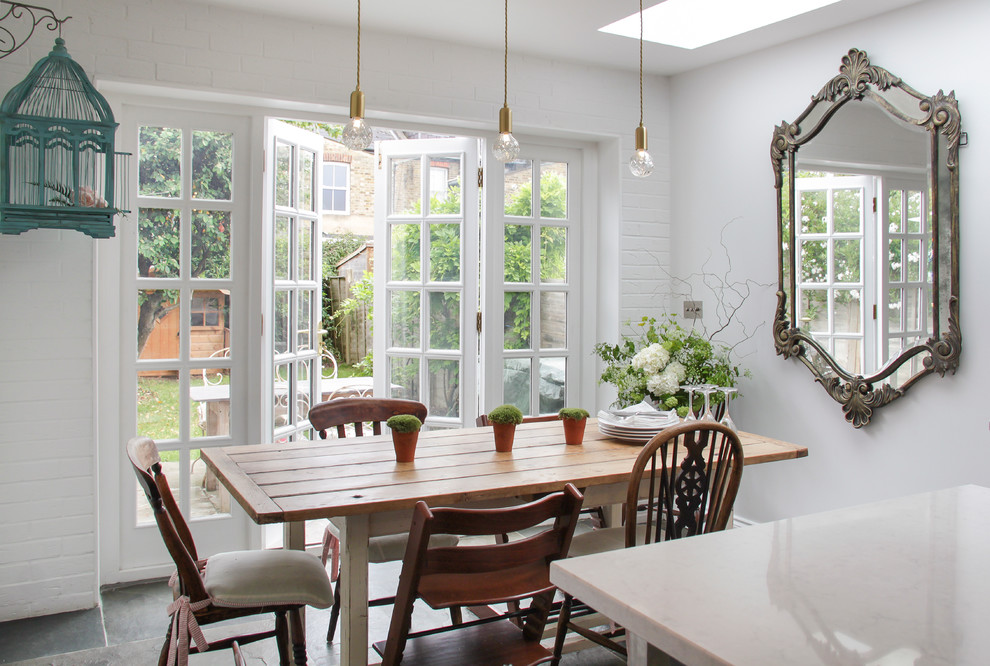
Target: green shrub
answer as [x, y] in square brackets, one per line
[574, 413]
[505, 414]
[404, 423]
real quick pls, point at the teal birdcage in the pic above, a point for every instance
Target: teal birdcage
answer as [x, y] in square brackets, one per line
[59, 168]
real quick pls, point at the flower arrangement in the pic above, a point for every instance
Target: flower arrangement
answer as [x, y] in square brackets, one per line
[661, 359]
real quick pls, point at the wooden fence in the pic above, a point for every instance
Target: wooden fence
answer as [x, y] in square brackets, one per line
[350, 337]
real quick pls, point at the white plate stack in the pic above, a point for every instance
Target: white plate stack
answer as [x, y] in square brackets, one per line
[638, 423]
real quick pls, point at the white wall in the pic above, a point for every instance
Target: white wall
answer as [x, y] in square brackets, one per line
[723, 116]
[48, 558]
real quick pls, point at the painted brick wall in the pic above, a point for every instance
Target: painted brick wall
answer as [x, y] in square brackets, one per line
[47, 455]
[48, 521]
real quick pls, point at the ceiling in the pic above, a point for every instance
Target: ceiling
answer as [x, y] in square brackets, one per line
[559, 29]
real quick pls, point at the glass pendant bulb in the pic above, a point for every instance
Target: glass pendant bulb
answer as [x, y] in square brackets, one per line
[505, 148]
[357, 133]
[641, 164]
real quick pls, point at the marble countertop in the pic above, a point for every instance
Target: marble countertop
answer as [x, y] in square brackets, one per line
[900, 581]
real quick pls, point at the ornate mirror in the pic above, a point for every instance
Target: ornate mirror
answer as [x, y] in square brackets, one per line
[867, 182]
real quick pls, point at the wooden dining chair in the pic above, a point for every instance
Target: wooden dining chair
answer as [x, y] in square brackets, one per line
[350, 416]
[226, 585]
[664, 500]
[481, 574]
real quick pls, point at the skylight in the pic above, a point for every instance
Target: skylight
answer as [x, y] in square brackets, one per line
[689, 24]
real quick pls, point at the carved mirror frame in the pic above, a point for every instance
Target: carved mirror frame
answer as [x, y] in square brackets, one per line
[858, 81]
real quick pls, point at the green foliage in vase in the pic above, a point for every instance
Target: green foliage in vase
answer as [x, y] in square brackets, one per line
[404, 423]
[660, 359]
[505, 414]
[573, 413]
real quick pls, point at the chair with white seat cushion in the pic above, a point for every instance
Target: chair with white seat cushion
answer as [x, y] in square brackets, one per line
[226, 585]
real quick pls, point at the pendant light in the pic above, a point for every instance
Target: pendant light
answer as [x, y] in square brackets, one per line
[505, 148]
[357, 133]
[641, 164]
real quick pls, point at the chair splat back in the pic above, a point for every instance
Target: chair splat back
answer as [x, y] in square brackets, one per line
[341, 412]
[173, 527]
[689, 498]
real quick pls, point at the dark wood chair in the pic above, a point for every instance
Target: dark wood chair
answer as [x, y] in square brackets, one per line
[481, 575]
[664, 502]
[348, 416]
[227, 585]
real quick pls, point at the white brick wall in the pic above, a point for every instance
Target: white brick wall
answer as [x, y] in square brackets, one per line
[47, 454]
[46, 290]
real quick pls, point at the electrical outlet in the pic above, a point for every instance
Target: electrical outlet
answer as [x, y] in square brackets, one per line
[692, 309]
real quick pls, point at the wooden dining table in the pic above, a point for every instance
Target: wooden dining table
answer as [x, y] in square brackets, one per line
[358, 481]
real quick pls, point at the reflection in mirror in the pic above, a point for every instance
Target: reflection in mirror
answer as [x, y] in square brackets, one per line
[867, 183]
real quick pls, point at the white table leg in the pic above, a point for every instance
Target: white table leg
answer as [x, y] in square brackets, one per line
[642, 653]
[354, 592]
[294, 535]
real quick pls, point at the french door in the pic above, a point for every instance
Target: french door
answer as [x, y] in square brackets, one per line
[296, 277]
[426, 276]
[183, 313]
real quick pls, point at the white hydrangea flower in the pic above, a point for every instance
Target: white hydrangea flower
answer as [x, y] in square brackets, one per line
[680, 372]
[651, 359]
[663, 384]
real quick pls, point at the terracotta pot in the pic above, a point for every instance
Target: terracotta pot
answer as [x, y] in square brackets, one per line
[405, 445]
[505, 433]
[574, 430]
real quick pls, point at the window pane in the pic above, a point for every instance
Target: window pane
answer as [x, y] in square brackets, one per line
[914, 212]
[445, 310]
[405, 252]
[519, 188]
[197, 319]
[340, 201]
[814, 261]
[212, 165]
[848, 316]
[159, 171]
[158, 324]
[846, 254]
[404, 377]
[210, 244]
[912, 309]
[894, 212]
[894, 310]
[282, 247]
[212, 319]
[553, 190]
[305, 244]
[517, 319]
[158, 404]
[553, 254]
[280, 412]
[209, 404]
[405, 319]
[913, 247]
[281, 324]
[553, 320]
[303, 319]
[445, 252]
[306, 178]
[328, 199]
[445, 185]
[813, 212]
[158, 242]
[283, 175]
[207, 496]
[444, 388]
[553, 379]
[847, 207]
[340, 175]
[813, 310]
[304, 390]
[407, 186]
[849, 354]
[518, 253]
[894, 259]
[517, 382]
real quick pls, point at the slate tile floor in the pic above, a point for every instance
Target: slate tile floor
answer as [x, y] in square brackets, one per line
[130, 626]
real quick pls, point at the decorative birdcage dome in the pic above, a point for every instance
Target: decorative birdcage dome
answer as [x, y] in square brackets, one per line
[59, 168]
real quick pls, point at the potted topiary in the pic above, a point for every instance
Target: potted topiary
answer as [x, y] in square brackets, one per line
[504, 420]
[574, 420]
[405, 434]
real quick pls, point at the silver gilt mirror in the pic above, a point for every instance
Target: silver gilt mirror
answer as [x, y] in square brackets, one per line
[867, 182]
